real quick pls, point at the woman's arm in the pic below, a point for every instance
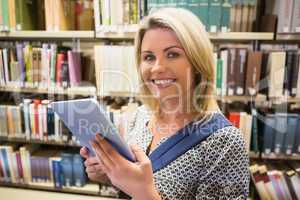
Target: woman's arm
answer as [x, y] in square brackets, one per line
[135, 179]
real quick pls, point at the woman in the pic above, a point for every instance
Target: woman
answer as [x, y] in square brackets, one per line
[184, 146]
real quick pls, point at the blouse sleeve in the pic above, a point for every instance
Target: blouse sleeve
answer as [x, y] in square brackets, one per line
[226, 163]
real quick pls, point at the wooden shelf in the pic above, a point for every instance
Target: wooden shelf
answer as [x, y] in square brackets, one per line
[85, 91]
[280, 157]
[25, 141]
[48, 35]
[241, 36]
[227, 36]
[89, 189]
[288, 36]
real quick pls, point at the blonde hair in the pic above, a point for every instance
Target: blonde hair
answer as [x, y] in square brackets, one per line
[196, 44]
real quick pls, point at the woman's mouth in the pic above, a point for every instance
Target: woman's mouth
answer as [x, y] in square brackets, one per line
[162, 83]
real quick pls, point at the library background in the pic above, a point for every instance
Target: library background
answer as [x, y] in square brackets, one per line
[59, 50]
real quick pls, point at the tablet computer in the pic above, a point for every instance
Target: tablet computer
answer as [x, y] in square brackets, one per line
[84, 118]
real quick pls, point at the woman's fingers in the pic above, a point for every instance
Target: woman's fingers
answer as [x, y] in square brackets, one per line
[84, 152]
[109, 150]
[91, 161]
[106, 161]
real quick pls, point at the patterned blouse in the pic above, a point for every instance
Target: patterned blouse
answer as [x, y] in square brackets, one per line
[216, 168]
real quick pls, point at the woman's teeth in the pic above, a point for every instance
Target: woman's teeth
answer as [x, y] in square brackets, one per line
[163, 82]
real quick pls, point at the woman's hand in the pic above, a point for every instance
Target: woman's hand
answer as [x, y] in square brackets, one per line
[94, 167]
[135, 179]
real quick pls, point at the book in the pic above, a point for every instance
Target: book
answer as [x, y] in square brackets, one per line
[254, 62]
[89, 120]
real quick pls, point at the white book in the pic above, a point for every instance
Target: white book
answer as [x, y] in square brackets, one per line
[224, 57]
[40, 119]
[105, 11]
[296, 17]
[44, 66]
[97, 14]
[284, 9]
[298, 81]
[57, 135]
[32, 121]
[116, 11]
[26, 103]
[15, 166]
[5, 64]
[276, 67]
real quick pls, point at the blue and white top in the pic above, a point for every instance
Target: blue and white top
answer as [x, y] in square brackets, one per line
[216, 168]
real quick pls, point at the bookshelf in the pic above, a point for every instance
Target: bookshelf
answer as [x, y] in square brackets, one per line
[32, 141]
[89, 189]
[72, 91]
[115, 33]
[285, 37]
[53, 35]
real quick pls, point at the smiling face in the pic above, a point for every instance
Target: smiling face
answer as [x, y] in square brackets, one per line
[164, 66]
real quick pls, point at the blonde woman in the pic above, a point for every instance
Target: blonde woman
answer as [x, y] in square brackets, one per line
[185, 148]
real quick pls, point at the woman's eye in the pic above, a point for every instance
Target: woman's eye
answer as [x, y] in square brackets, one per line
[149, 57]
[172, 55]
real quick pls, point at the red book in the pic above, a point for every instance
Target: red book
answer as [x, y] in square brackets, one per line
[1, 171]
[36, 117]
[19, 166]
[234, 118]
[59, 61]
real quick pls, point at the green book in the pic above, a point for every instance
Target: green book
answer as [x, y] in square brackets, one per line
[162, 3]
[215, 15]
[172, 3]
[5, 15]
[182, 4]
[28, 63]
[152, 5]
[26, 15]
[203, 12]
[225, 21]
[219, 76]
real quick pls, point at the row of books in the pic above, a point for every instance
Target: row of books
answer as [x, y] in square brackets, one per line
[240, 71]
[283, 13]
[119, 68]
[54, 15]
[35, 66]
[28, 164]
[216, 15]
[118, 12]
[34, 119]
[269, 133]
[276, 181]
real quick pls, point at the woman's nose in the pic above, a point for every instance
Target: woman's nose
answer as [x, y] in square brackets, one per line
[159, 66]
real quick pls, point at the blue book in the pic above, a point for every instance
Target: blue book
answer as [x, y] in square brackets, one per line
[67, 169]
[281, 129]
[50, 122]
[84, 118]
[269, 133]
[297, 138]
[4, 159]
[57, 173]
[79, 174]
[289, 139]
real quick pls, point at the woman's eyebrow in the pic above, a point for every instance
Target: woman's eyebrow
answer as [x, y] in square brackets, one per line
[173, 46]
[166, 49]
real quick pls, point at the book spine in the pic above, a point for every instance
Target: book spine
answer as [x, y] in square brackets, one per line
[78, 171]
[296, 17]
[225, 19]
[215, 15]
